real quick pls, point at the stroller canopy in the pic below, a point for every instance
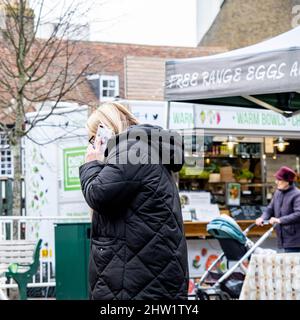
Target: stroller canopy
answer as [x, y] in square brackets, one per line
[224, 227]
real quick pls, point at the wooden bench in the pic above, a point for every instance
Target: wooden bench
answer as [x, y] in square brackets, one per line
[19, 260]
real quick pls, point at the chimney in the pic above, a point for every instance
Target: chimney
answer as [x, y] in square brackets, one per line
[12, 13]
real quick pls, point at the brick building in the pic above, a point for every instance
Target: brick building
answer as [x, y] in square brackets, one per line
[137, 70]
[240, 23]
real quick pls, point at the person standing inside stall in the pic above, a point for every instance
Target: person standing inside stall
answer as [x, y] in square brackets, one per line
[284, 210]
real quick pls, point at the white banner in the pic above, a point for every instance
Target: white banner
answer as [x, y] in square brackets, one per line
[243, 118]
[183, 116]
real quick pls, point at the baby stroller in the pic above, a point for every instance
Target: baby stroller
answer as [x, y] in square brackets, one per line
[237, 248]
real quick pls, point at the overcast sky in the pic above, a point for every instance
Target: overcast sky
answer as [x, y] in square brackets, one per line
[158, 22]
[169, 22]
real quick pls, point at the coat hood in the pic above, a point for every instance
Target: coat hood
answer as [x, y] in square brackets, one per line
[147, 144]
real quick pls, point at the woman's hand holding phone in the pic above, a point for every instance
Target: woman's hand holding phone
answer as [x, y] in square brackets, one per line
[96, 151]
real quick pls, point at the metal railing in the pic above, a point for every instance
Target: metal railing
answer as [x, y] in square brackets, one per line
[32, 228]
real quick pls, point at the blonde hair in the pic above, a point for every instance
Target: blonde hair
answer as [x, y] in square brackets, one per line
[114, 115]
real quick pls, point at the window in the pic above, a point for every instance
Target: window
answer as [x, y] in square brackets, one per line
[109, 87]
[106, 87]
[6, 166]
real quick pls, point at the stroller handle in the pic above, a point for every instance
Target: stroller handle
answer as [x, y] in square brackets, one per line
[252, 225]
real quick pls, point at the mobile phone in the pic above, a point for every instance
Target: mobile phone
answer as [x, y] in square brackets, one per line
[103, 135]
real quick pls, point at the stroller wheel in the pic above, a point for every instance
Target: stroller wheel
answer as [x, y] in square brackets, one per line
[201, 295]
[224, 296]
[212, 294]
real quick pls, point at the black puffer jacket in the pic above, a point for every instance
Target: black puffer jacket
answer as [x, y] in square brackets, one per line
[138, 247]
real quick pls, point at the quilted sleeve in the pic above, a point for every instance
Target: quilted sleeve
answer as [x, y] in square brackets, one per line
[107, 185]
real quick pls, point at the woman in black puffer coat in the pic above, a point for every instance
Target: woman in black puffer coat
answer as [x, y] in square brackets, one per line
[138, 247]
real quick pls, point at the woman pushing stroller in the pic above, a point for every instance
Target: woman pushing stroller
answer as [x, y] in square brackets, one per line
[284, 210]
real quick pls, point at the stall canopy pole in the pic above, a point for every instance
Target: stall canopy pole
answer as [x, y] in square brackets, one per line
[295, 113]
[264, 104]
[168, 114]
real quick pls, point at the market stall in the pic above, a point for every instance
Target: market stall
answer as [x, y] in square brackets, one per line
[246, 105]
[224, 93]
[264, 75]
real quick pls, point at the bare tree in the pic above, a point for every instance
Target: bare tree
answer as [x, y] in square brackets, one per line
[34, 72]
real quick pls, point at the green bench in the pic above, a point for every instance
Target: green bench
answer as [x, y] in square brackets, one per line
[19, 260]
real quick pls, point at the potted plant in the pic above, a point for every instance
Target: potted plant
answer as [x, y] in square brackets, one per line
[244, 176]
[214, 175]
[193, 172]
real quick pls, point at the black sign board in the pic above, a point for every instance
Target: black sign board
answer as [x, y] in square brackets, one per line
[246, 212]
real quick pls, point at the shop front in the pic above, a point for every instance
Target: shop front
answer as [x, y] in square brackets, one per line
[245, 104]
[241, 150]
[231, 172]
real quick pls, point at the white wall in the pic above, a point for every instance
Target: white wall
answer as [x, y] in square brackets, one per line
[45, 195]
